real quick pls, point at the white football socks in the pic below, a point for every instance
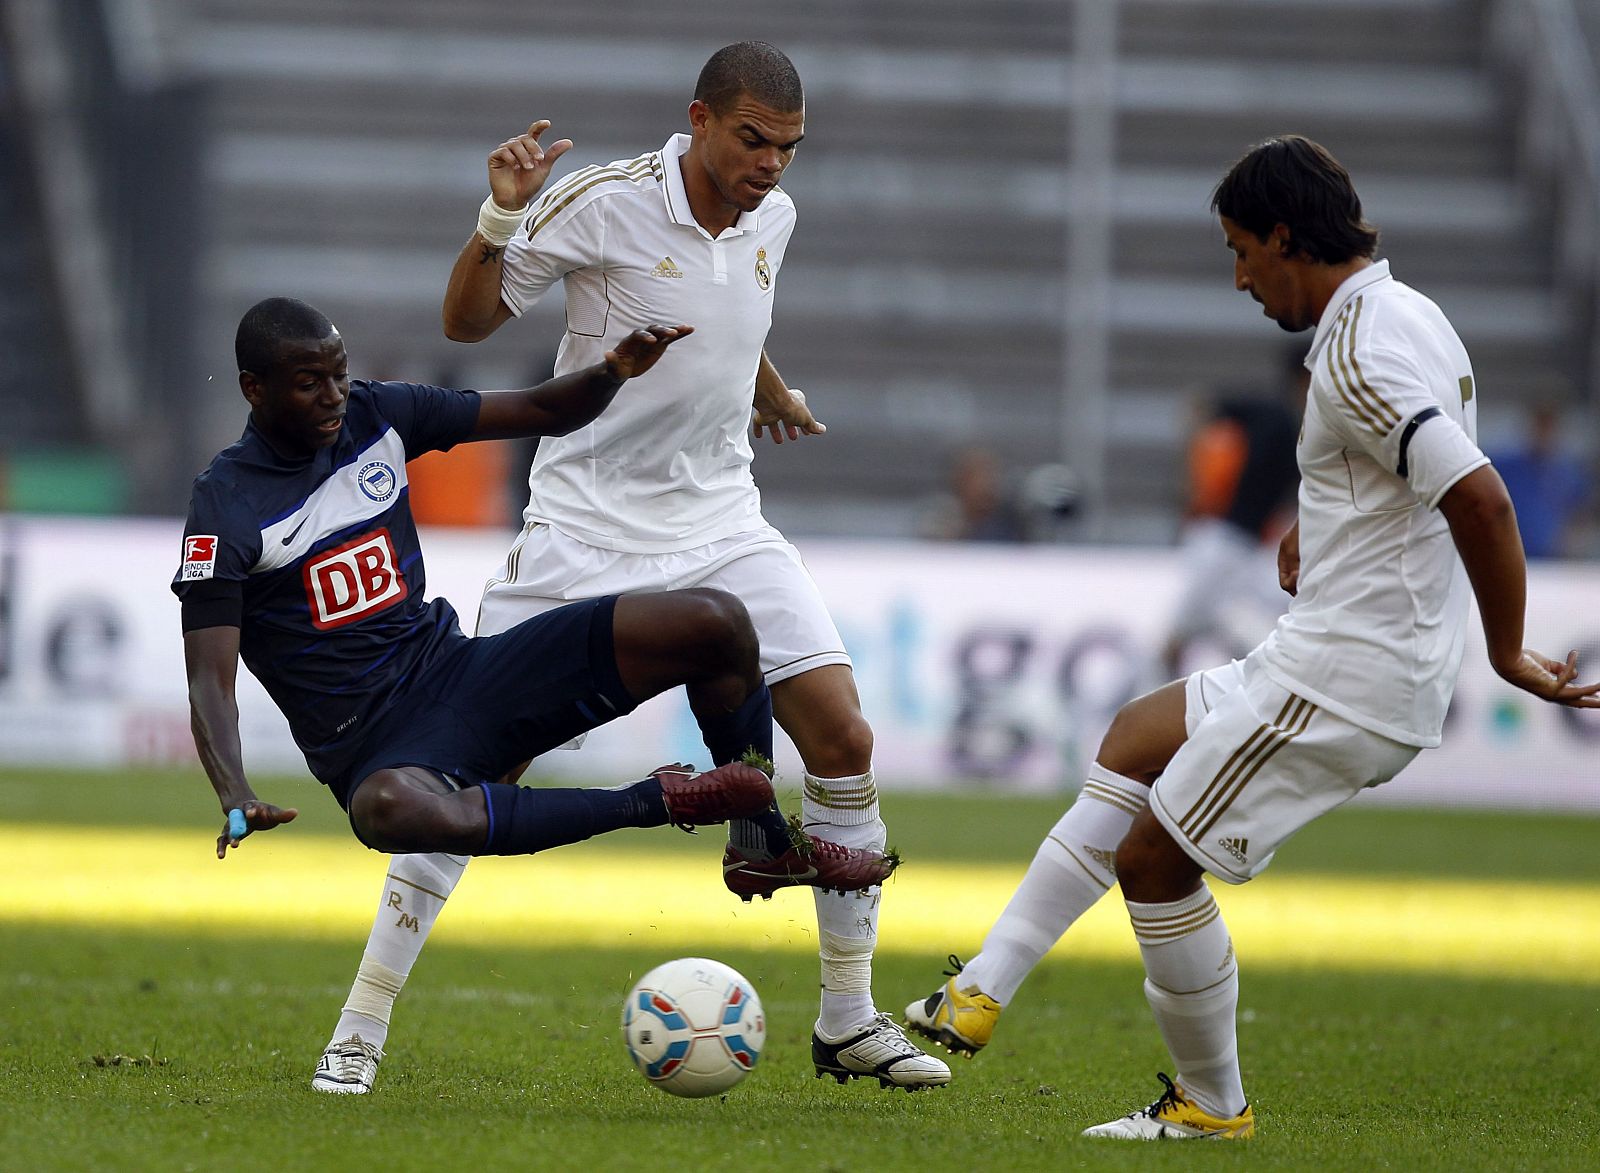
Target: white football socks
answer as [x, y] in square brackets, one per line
[413, 895]
[1073, 868]
[1192, 984]
[845, 811]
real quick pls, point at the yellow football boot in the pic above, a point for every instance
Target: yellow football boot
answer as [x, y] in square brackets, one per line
[962, 1021]
[1174, 1117]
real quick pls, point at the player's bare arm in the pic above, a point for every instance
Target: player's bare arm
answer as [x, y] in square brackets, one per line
[1483, 525]
[781, 408]
[1289, 560]
[568, 402]
[518, 168]
[211, 659]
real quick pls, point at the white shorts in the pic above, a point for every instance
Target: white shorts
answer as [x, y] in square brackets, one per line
[1259, 764]
[546, 569]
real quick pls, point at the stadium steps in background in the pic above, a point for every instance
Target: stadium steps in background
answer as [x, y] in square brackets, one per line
[31, 340]
[922, 298]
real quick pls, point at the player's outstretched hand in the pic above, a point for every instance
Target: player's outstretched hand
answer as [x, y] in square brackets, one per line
[519, 166]
[1552, 680]
[793, 418]
[252, 816]
[638, 352]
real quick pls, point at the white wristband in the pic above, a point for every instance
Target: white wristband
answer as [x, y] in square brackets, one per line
[496, 225]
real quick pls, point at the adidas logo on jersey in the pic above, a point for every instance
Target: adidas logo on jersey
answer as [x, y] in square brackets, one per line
[1236, 848]
[666, 269]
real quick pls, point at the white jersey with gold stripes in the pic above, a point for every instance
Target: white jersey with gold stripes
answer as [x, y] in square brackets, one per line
[1377, 630]
[667, 465]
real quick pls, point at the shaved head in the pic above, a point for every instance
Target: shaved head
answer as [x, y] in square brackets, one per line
[270, 322]
[750, 67]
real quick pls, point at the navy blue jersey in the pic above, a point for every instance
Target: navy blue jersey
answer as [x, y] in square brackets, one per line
[317, 562]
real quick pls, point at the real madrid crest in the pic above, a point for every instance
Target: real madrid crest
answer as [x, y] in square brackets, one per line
[763, 270]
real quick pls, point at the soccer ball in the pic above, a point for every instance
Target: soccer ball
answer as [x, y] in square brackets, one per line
[694, 1027]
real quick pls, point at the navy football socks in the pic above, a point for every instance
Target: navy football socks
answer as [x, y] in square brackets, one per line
[523, 819]
[729, 736]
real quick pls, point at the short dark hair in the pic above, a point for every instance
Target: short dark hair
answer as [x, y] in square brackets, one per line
[270, 322]
[750, 67]
[1293, 181]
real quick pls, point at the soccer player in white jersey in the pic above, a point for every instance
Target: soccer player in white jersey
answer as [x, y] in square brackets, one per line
[1400, 518]
[660, 492]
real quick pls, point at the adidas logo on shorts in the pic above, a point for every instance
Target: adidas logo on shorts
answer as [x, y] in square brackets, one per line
[1236, 848]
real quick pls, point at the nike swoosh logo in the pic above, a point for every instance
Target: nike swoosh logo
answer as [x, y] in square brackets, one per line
[809, 874]
[296, 530]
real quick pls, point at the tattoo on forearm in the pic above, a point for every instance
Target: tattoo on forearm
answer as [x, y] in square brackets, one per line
[490, 253]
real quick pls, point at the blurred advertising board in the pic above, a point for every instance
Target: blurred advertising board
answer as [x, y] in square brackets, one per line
[982, 666]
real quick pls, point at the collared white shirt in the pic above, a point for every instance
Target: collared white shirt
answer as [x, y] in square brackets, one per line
[667, 465]
[1377, 630]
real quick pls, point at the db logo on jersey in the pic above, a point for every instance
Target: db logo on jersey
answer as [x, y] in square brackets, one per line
[352, 581]
[199, 557]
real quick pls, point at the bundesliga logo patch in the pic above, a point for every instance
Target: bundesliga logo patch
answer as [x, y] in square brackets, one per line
[199, 557]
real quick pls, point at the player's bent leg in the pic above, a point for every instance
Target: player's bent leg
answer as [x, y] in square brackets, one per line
[1191, 983]
[392, 812]
[1146, 733]
[401, 810]
[701, 638]
[1072, 869]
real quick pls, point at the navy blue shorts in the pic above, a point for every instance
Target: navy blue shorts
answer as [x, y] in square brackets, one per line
[488, 704]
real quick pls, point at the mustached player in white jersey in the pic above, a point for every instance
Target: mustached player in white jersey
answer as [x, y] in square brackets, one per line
[660, 492]
[1400, 517]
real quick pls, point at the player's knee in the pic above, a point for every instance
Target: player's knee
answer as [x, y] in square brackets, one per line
[719, 621]
[1151, 867]
[845, 751]
[1134, 746]
[1132, 858]
[384, 812]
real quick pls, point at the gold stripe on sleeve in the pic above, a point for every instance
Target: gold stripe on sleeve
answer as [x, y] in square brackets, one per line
[1385, 413]
[602, 175]
[1340, 382]
[567, 183]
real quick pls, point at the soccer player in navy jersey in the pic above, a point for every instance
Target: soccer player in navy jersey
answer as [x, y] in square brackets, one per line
[300, 556]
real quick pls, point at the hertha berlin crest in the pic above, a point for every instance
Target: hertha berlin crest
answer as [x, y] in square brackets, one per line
[763, 270]
[377, 481]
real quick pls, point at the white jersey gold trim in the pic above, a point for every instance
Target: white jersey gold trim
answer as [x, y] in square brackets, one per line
[667, 466]
[1376, 631]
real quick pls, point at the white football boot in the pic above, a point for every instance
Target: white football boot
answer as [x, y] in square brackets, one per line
[879, 1049]
[347, 1067]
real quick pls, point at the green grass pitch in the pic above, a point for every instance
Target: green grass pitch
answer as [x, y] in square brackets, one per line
[137, 1042]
